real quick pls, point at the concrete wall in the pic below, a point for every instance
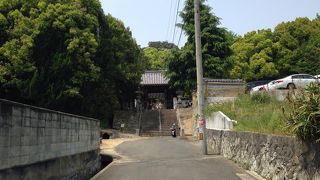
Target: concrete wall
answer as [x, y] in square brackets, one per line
[273, 157]
[31, 135]
[223, 87]
[218, 120]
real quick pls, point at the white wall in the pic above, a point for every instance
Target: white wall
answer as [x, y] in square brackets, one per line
[219, 121]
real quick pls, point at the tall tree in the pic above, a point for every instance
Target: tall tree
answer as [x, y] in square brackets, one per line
[50, 54]
[293, 47]
[253, 56]
[161, 45]
[156, 57]
[215, 48]
[67, 55]
[298, 46]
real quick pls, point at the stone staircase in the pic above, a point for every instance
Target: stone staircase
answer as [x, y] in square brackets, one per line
[150, 124]
[168, 117]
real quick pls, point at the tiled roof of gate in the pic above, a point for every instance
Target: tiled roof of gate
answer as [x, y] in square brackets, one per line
[154, 78]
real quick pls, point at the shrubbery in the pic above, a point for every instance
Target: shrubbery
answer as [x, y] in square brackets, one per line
[260, 97]
[256, 113]
[304, 116]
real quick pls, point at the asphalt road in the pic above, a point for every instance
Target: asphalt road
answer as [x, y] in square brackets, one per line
[166, 158]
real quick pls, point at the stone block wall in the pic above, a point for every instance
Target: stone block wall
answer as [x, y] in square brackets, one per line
[128, 119]
[30, 135]
[273, 157]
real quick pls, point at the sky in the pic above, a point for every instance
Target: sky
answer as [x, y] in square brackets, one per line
[153, 20]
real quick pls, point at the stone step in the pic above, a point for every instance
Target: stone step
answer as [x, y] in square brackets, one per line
[156, 133]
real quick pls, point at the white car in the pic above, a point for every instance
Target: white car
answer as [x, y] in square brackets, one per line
[292, 82]
[260, 88]
[317, 76]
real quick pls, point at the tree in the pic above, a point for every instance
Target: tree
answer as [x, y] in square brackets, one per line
[180, 69]
[293, 47]
[156, 57]
[215, 48]
[50, 55]
[161, 45]
[253, 56]
[298, 46]
[67, 56]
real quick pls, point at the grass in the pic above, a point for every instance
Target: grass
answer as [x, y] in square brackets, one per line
[258, 113]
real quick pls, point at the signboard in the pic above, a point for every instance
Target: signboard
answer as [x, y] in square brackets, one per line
[122, 126]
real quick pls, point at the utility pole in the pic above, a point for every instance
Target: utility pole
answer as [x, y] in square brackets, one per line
[200, 92]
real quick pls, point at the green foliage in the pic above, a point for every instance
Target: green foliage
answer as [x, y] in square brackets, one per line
[156, 57]
[293, 47]
[297, 46]
[266, 117]
[67, 55]
[260, 97]
[181, 67]
[253, 56]
[304, 116]
[161, 45]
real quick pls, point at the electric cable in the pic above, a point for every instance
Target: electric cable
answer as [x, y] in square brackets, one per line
[169, 19]
[174, 31]
[180, 34]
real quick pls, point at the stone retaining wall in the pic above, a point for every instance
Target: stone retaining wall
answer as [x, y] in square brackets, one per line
[31, 136]
[127, 119]
[273, 157]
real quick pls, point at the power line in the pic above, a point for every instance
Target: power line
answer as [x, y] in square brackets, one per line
[169, 19]
[180, 34]
[174, 31]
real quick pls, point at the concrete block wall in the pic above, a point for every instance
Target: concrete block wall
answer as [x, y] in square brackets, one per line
[29, 135]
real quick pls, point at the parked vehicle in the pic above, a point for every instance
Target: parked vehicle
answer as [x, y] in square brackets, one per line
[292, 82]
[173, 130]
[317, 76]
[253, 84]
[260, 88]
[186, 103]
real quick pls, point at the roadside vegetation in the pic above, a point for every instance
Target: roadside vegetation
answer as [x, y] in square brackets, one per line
[256, 113]
[298, 114]
[303, 117]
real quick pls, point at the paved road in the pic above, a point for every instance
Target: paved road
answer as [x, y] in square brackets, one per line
[166, 158]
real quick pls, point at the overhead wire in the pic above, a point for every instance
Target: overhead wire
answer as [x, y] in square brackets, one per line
[176, 19]
[180, 34]
[169, 22]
